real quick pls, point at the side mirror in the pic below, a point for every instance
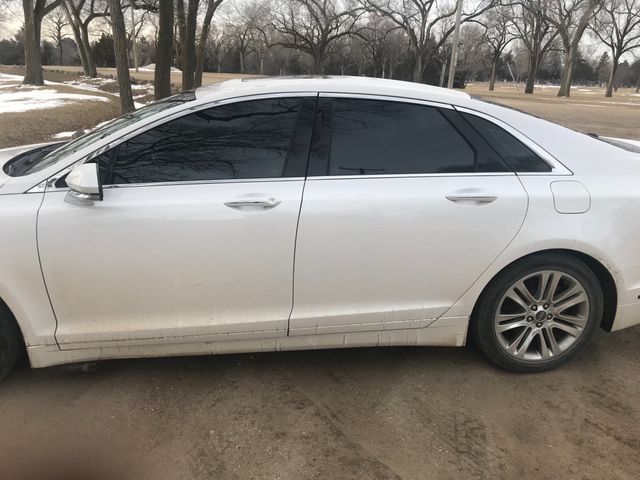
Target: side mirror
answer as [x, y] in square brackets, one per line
[84, 182]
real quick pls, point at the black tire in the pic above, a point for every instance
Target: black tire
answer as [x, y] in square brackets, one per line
[483, 330]
[10, 341]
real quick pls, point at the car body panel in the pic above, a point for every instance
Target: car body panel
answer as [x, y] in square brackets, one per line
[167, 261]
[377, 252]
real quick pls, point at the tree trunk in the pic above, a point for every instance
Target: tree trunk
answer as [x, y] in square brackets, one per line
[318, 64]
[181, 25]
[162, 74]
[418, 69]
[492, 79]
[612, 76]
[531, 76]
[443, 72]
[120, 52]
[189, 46]
[86, 42]
[212, 5]
[78, 39]
[567, 73]
[241, 53]
[32, 60]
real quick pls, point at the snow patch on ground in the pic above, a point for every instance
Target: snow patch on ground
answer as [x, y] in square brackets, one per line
[5, 77]
[39, 99]
[63, 135]
[152, 68]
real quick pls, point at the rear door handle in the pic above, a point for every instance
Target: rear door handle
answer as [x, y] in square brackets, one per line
[472, 195]
[253, 202]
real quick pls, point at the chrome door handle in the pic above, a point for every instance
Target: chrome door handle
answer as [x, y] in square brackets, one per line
[263, 203]
[472, 196]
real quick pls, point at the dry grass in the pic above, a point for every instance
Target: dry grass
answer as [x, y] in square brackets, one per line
[587, 110]
[36, 126]
[145, 76]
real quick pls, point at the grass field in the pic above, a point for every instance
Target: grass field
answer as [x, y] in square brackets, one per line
[587, 110]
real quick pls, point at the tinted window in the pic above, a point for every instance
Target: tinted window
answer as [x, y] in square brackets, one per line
[378, 137]
[517, 155]
[235, 141]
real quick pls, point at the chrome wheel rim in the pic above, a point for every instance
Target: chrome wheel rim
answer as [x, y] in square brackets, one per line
[542, 315]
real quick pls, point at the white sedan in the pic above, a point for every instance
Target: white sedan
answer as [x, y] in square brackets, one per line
[299, 213]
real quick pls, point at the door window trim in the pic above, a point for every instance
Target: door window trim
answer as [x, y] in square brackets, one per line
[557, 168]
[49, 183]
[322, 164]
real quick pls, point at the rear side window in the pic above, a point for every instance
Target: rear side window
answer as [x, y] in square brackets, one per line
[376, 137]
[516, 154]
[235, 141]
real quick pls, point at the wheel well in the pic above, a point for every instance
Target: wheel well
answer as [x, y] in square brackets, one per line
[607, 283]
[6, 311]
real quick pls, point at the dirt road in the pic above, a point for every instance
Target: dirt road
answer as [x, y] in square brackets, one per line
[411, 413]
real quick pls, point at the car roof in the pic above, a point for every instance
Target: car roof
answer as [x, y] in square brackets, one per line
[330, 84]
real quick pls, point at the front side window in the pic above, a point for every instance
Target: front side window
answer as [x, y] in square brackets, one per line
[234, 141]
[376, 137]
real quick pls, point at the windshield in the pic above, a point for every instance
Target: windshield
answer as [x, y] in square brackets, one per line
[109, 128]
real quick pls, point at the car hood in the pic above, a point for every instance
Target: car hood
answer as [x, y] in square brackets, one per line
[7, 154]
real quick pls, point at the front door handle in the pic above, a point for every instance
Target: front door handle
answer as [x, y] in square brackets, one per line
[253, 202]
[472, 195]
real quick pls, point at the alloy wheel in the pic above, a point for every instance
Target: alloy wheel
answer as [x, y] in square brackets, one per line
[542, 315]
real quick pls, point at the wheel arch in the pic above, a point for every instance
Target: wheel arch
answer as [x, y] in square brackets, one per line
[605, 279]
[5, 310]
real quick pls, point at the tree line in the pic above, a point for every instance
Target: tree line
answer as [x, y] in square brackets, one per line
[524, 40]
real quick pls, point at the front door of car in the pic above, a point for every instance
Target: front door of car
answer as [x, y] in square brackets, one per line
[401, 214]
[194, 239]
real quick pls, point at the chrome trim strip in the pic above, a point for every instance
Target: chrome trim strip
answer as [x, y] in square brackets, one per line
[388, 98]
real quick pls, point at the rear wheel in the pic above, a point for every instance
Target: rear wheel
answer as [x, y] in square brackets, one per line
[10, 341]
[538, 313]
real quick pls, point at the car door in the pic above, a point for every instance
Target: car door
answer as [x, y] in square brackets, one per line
[401, 214]
[194, 237]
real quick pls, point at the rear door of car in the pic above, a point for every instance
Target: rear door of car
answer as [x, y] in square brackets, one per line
[404, 207]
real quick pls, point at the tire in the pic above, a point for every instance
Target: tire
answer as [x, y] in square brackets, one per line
[10, 342]
[538, 313]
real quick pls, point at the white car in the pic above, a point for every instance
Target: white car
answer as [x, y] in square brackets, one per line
[300, 213]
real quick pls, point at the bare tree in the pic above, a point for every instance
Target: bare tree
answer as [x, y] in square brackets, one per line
[120, 52]
[420, 20]
[212, 6]
[498, 36]
[313, 26]
[570, 18]
[34, 12]
[531, 27]
[617, 25]
[56, 25]
[83, 13]
[164, 49]
[381, 39]
[187, 23]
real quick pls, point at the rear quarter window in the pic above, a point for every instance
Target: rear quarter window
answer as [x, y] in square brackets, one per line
[516, 154]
